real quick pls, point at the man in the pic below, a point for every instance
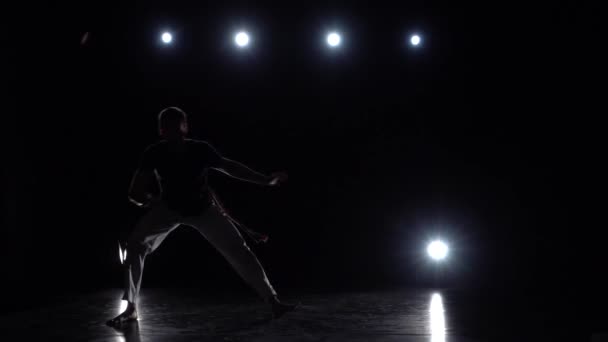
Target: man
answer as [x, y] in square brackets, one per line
[180, 166]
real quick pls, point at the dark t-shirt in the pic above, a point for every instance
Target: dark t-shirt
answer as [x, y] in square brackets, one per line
[182, 168]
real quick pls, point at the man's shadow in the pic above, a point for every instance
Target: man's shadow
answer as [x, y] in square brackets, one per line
[130, 331]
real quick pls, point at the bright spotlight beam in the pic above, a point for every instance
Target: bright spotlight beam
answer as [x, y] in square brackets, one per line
[437, 250]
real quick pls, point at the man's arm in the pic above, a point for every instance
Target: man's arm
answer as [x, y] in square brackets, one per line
[144, 179]
[239, 171]
[139, 191]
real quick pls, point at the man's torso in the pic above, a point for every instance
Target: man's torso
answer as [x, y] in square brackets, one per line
[181, 169]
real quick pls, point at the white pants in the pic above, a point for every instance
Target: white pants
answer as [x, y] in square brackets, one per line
[159, 221]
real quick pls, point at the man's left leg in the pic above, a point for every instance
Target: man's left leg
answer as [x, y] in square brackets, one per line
[226, 238]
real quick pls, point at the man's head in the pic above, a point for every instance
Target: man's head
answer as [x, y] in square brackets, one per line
[172, 123]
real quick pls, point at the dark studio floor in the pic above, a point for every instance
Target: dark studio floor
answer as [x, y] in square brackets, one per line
[186, 315]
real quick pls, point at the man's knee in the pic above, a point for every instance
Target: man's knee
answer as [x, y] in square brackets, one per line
[238, 249]
[243, 246]
[136, 249]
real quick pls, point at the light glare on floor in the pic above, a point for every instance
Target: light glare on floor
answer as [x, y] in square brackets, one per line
[437, 319]
[123, 306]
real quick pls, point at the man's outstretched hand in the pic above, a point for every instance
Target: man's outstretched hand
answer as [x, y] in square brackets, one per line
[277, 178]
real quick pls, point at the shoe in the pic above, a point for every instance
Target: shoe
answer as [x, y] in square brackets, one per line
[129, 315]
[279, 309]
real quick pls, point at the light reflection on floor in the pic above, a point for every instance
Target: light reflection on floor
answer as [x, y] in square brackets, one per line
[175, 315]
[129, 333]
[437, 318]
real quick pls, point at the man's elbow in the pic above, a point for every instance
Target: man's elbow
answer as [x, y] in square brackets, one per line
[224, 166]
[137, 198]
[137, 203]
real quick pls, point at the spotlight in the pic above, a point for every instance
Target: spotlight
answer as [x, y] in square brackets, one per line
[166, 37]
[333, 39]
[415, 40]
[437, 250]
[241, 39]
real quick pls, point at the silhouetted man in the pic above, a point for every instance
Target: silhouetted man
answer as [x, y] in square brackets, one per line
[180, 167]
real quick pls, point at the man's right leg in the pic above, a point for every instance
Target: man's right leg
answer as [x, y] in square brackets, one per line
[148, 234]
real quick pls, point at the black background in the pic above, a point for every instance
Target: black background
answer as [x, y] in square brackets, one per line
[488, 135]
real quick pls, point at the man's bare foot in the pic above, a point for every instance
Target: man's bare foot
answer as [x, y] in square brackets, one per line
[129, 315]
[279, 309]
